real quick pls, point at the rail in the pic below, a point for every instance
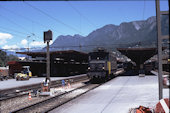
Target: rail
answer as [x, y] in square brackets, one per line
[56, 101]
[12, 92]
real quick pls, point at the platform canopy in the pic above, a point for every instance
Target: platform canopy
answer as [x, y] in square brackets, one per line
[66, 55]
[138, 55]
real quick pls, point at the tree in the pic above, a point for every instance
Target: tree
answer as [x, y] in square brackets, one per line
[4, 58]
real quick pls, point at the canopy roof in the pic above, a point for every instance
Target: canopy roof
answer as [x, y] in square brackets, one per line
[67, 55]
[138, 55]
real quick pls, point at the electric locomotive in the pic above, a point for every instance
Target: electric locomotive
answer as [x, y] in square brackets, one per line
[102, 65]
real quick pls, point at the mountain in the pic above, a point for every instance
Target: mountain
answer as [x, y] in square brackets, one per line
[67, 42]
[127, 34]
[14, 53]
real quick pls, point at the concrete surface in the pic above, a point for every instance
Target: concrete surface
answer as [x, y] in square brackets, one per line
[13, 83]
[116, 96]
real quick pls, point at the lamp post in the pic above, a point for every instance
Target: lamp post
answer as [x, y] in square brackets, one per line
[28, 42]
[32, 34]
[28, 45]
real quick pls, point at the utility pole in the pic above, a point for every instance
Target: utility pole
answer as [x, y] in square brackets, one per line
[48, 61]
[159, 48]
[159, 39]
[47, 38]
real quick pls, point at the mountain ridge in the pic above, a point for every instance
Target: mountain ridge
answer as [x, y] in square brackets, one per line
[111, 36]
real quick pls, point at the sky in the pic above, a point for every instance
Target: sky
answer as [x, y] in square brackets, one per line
[22, 23]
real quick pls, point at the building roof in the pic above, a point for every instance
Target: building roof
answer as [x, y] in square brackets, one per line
[68, 54]
[51, 52]
[138, 55]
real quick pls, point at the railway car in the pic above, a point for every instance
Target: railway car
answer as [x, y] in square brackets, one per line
[102, 65]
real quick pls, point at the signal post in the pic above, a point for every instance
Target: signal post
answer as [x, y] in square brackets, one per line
[47, 38]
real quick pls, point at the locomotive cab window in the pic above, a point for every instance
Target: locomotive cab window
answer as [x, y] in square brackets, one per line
[98, 56]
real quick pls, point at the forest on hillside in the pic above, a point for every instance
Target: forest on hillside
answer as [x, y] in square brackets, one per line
[4, 58]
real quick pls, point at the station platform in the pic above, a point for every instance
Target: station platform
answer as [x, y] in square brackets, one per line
[12, 83]
[117, 96]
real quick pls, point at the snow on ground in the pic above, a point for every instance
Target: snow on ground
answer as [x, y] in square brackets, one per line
[116, 96]
[13, 83]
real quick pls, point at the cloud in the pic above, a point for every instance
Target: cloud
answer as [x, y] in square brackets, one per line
[11, 47]
[4, 37]
[38, 44]
[24, 42]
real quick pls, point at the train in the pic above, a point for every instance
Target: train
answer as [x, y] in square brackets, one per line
[102, 65]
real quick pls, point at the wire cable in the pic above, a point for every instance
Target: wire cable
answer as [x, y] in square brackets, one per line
[26, 18]
[55, 19]
[82, 14]
[12, 33]
[13, 30]
[143, 10]
[14, 23]
[63, 47]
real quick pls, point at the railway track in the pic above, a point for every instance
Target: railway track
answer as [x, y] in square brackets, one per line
[24, 90]
[37, 102]
[58, 100]
[21, 100]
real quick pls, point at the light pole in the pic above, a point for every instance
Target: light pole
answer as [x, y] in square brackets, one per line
[28, 45]
[32, 34]
[28, 42]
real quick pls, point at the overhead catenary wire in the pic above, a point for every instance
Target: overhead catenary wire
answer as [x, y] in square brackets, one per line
[143, 9]
[84, 46]
[16, 32]
[32, 34]
[91, 23]
[33, 21]
[12, 33]
[1, 27]
[53, 18]
[103, 45]
[18, 36]
[14, 23]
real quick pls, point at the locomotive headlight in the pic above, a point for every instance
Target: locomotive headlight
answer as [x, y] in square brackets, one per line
[88, 68]
[103, 68]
